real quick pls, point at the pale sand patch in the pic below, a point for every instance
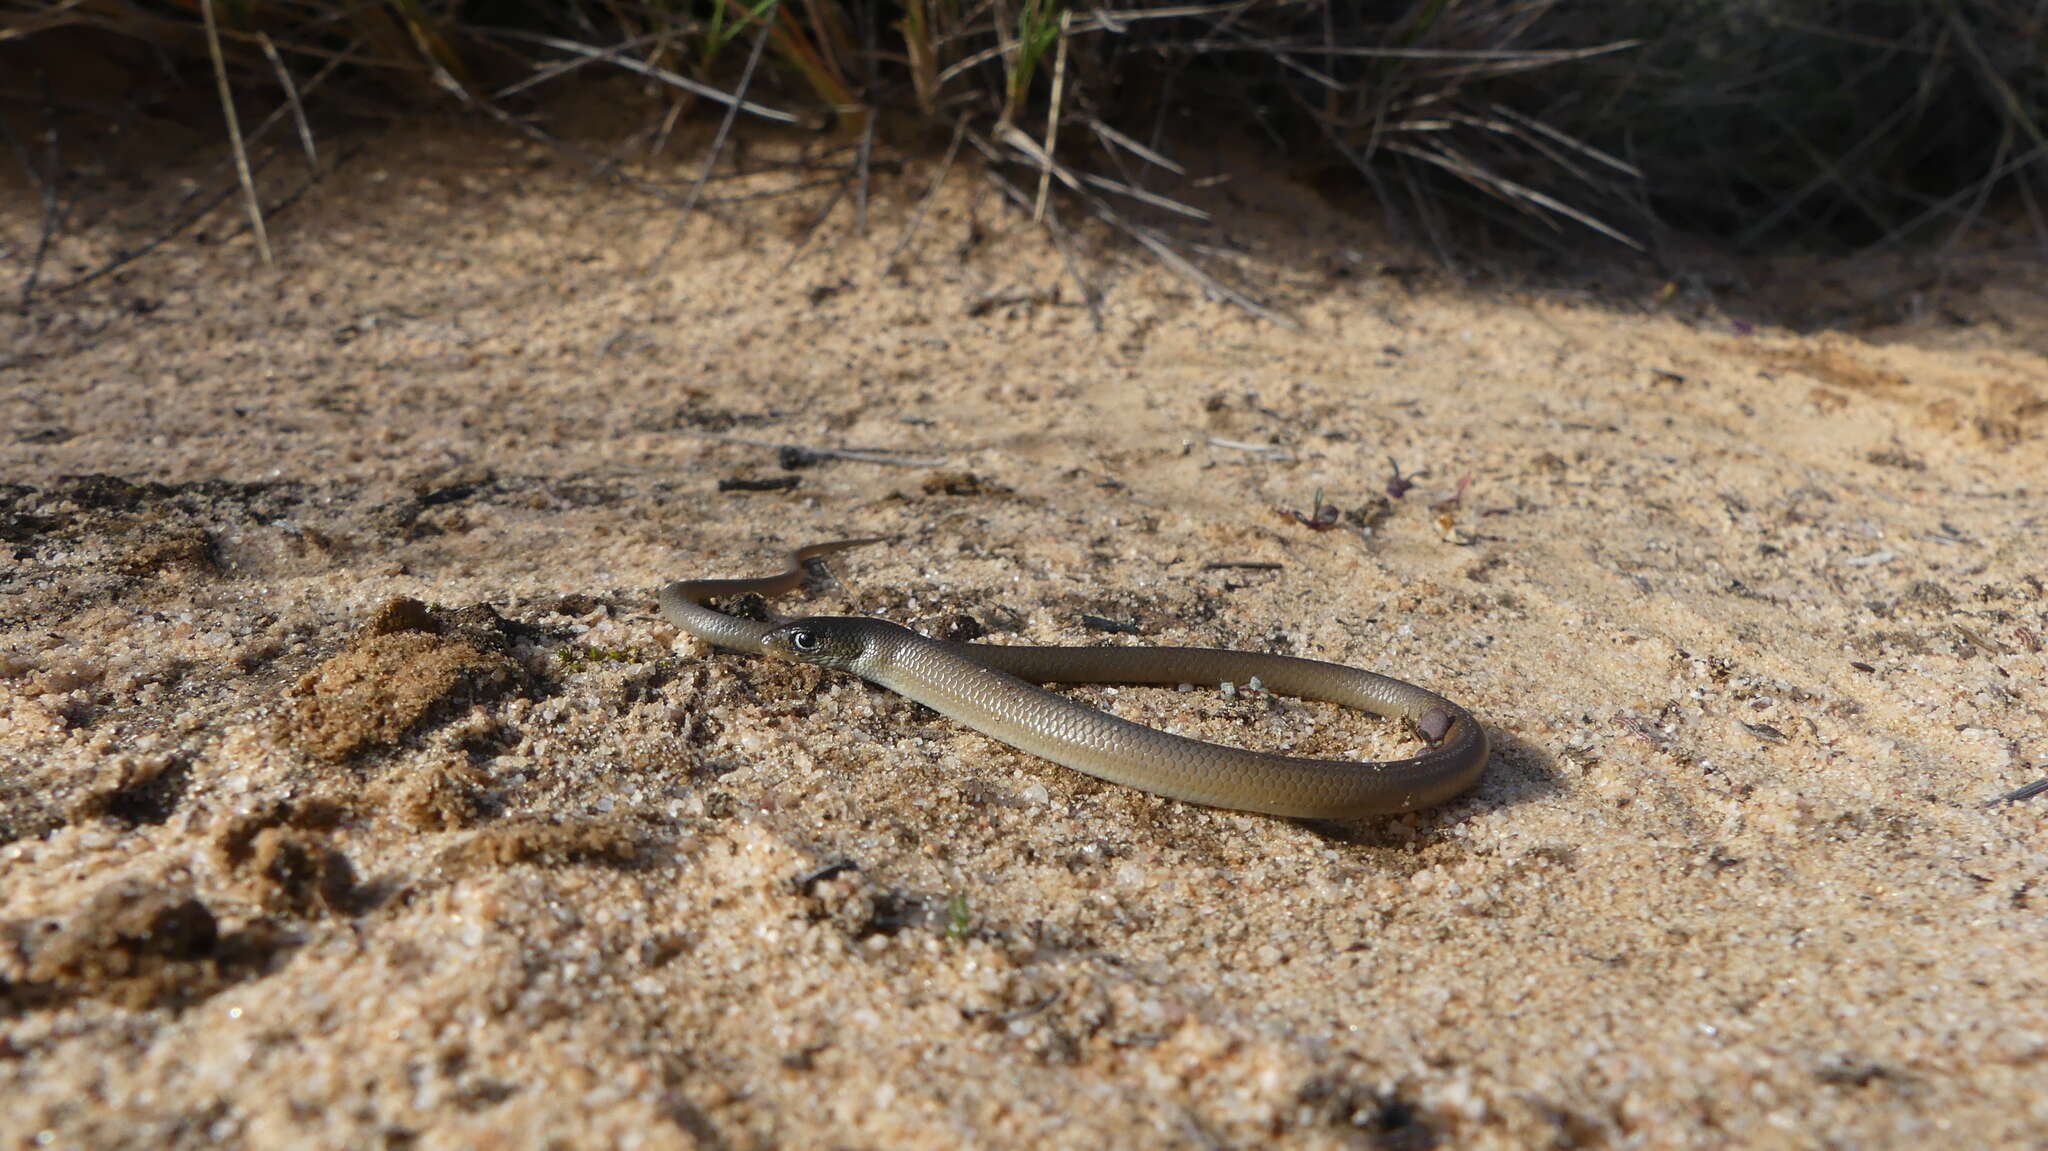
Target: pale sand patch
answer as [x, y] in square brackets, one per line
[1756, 620]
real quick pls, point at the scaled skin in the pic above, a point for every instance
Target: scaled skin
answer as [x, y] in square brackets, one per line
[989, 688]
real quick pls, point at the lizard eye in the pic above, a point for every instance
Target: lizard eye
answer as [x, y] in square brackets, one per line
[804, 641]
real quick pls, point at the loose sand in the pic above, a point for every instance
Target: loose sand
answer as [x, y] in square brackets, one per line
[352, 792]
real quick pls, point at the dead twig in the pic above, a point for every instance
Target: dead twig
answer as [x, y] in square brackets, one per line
[732, 112]
[227, 109]
[1052, 116]
[291, 96]
[863, 168]
[2020, 794]
[802, 455]
[1061, 239]
[938, 180]
[1266, 451]
[46, 184]
[817, 223]
[650, 71]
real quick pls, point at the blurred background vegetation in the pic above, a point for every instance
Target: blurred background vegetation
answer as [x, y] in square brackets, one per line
[1827, 126]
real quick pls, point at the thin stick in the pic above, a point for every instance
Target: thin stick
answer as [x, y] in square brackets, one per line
[46, 182]
[1053, 227]
[1942, 207]
[291, 95]
[1186, 267]
[1506, 189]
[773, 193]
[1831, 174]
[1269, 451]
[1487, 58]
[1164, 203]
[1052, 117]
[2022, 793]
[864, 168]
[1133, 147]
[817, 225]
[1026, 146]
[2034, 215]
[732, 112]
[887, 456]
[668, 126]
[2005, 142]
[1062, 241]
[279, 206]
[1159, 248]
[123, 259]
[227, 107]
[560, 68]
[945, 166]
[662, 74]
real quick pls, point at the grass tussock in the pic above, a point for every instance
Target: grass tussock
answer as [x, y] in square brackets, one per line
[1823, 123]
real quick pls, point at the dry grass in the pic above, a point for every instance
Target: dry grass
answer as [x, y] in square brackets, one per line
[1853, 122]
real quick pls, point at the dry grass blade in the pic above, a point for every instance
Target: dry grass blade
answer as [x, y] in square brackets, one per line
[931, 193]
[817, 224]
[2035, 155]
[2016, 111]
[1164, 203]
[1052, 117]
[887, 457]
[816, 62]
[1061, 240]
[915, 28]
[1025, 146]
[1846, 118]
[46, 184]
[443, 62]
[1112, 136]
[1516, 57]
[1568, 141]
[60, 15]
[652, 72]
[557, 69]
[969, 63]
[181, 220]
[1269, 451]
[1164, 251]
[1507, 190]
[184, 215]
[1829, 175]
[1119, 20]
[227, 108]
[1537, 143]
[1215, 288]
[1063, 243]
[1285, 58]
[863, 168]
[732, 112]
[291, 95]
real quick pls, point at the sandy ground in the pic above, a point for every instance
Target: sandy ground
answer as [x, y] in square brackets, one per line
[353, 793]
